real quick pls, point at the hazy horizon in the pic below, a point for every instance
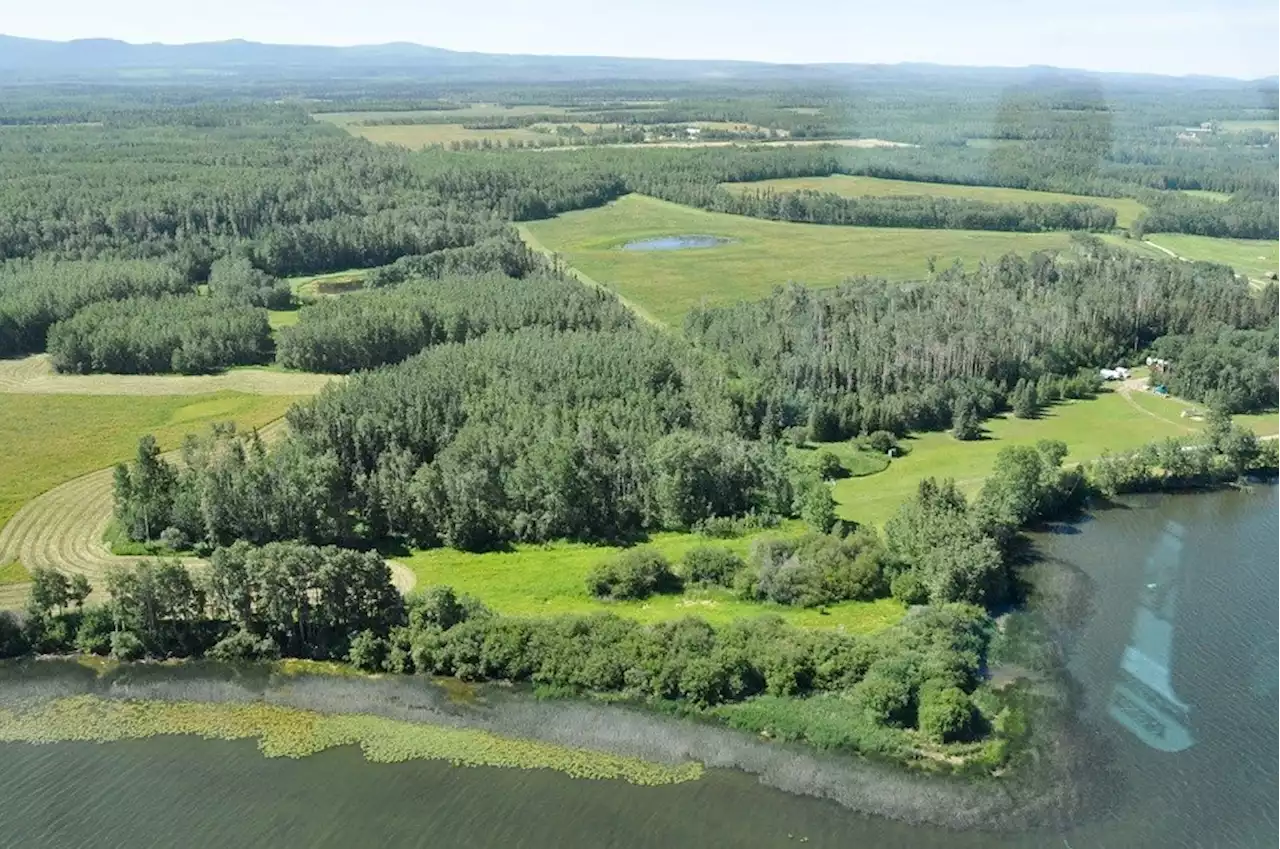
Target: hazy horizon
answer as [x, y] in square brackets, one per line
[1236, 39]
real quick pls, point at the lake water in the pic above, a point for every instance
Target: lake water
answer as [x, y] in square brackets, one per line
[676, 243]
[1166, 609]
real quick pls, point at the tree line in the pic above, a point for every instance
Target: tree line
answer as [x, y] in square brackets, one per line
[525, 436]
[293, 600]
[186, 334]
[370, 329]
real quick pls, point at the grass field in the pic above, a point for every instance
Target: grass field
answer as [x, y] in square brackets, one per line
[1264, 125]
[1127, 209]
[1205, 194]
[545, 580]
[13, 573]
[417, 136]
[50, 439]
[764, 254]
[333, 283]
[1111, 421]
[472, 110]
[1254, 258]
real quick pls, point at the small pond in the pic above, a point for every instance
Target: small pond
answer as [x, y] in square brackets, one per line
[676, 243]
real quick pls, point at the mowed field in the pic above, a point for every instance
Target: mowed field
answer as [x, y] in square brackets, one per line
[1254, 258]
[49, 439]
[762, 254]
[1127, 209]
[418, 136]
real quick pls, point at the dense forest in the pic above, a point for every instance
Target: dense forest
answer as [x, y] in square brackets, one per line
[872, 355]
[387, 325]
[186, 334]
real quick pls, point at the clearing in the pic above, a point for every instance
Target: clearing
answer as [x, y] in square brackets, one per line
[544, 580]
[34, 375]
[1127, 209]
[52, 439]
[1254, 258]
[763, 254]
[1114, 421]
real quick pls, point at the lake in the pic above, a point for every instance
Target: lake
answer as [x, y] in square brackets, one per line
[676, 243]
[1165, 608]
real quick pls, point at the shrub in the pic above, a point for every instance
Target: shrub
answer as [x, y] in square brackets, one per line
[125, 645]
[946, 713]
[242, 645]
[634, 574]
[909, 589]
[880, 441]
[94, 634]
[368, 651]
[711, 564]
[886, 694]
[828, 465]
[13, 642]
[175, 539]
[817, 569]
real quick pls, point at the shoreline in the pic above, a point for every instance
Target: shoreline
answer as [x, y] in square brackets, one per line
[675, 745]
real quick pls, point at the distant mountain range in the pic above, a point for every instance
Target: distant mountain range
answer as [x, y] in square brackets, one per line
[30, 57]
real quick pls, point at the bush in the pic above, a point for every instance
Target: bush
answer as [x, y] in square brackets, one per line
[817, 569]
[94, 634]
[13, 642]
[125, 645]
[242, 645]
[885, 699]
[828, 465]
[909, 589]
[368, 651]
[946, 713]
[711, 564]
[175, 539]
[880, 441]
[634, 574]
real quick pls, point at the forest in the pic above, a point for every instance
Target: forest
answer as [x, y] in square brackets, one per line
[872, 355]
[387, 325]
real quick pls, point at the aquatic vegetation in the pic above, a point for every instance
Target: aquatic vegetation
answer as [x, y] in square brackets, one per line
[288, 732]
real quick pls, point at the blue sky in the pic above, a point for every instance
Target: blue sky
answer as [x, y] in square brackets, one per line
[1223, 37]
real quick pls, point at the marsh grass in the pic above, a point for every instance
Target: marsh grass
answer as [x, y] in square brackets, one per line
[293, 733]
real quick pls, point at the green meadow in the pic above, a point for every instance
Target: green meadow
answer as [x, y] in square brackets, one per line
[1127, 209]
[544, 580]
[1254, 258]
[762, 254]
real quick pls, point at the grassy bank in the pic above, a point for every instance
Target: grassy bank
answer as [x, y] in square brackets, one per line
[761, 255]
[1127, 210]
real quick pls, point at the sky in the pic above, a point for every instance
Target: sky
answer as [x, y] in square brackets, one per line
[1236, 38]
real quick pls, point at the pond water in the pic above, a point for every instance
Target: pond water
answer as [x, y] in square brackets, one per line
[1166, 610]
[676, 243]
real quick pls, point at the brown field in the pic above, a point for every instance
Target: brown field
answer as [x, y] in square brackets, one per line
[34, 375]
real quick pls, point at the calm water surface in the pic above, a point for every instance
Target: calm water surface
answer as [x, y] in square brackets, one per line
[1167, 610]
[676, 243]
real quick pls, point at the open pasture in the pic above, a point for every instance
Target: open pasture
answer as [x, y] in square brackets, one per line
[1254, 258]
[1127, 209]
[761, 254]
